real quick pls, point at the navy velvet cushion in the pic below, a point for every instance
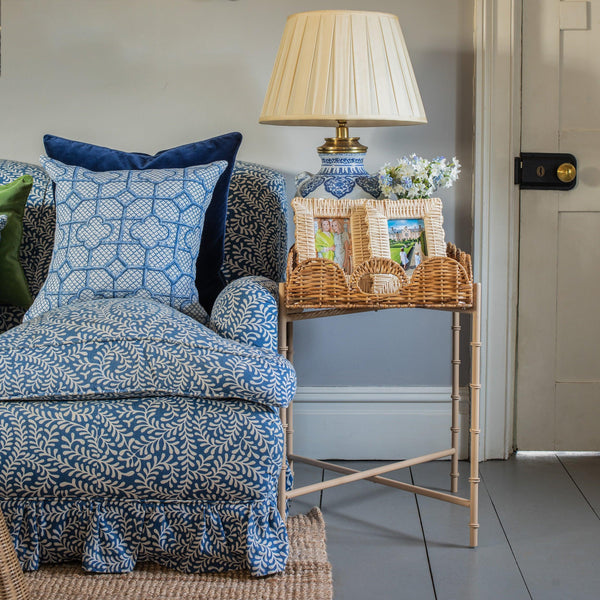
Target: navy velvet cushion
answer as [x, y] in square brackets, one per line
[209, 279]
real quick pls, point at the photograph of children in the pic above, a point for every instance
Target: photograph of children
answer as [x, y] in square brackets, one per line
[333, 241]
[408, 246]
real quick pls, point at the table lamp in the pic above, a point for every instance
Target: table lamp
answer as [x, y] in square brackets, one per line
[342, 68]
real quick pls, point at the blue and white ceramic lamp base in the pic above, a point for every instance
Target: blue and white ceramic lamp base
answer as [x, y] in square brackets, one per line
[342, 175]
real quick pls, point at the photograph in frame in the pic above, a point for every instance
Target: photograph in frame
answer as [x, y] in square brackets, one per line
[408, 242]
[333, 241]
[325, 229]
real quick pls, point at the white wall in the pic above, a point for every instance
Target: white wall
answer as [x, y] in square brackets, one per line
[150, 74]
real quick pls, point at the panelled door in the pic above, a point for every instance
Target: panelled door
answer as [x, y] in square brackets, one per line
[558, 354]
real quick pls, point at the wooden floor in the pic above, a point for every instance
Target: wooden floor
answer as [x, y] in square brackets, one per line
[539, 536]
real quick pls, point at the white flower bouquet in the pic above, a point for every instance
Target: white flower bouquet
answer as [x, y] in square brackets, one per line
[417, 177]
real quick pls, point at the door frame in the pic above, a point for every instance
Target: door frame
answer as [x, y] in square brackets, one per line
[497, 43]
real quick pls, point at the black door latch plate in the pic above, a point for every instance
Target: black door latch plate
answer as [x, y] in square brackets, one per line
[539, 171]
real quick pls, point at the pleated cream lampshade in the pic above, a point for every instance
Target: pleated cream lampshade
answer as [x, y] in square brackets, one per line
[342, 65]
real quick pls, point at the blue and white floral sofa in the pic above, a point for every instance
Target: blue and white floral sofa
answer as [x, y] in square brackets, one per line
[131, 432]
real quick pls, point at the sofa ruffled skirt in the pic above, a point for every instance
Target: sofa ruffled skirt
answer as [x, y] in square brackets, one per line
[190, 484]
[110, 536]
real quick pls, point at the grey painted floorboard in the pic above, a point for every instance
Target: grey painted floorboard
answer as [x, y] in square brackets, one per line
[553, 532]
[375, 542]
[489, 572]
[585, 471]
[539, 535]
[305, 475]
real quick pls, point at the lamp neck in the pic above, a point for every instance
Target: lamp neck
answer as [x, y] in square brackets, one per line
[342, 143]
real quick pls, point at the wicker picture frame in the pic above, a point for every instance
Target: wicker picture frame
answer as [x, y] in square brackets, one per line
[372, 224]
[377, 213]
[307, 211]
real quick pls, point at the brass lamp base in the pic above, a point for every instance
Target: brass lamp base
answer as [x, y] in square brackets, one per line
[341, 143]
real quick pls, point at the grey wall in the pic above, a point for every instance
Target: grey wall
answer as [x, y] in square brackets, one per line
[149, 74]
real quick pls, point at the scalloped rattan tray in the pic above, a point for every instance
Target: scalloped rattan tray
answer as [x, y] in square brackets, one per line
[438, 282]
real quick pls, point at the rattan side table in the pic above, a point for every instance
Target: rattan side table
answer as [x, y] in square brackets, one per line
[12, 582]
[289, 314]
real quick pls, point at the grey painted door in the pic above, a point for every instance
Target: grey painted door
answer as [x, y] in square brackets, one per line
[558, 369]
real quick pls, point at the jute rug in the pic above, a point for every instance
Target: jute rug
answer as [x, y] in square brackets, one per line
[307, 577]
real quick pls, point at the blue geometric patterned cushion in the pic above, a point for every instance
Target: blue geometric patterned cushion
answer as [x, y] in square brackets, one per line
[124, 233]
[3, 221]
[209, 279]
[134, 347]
[246, 311]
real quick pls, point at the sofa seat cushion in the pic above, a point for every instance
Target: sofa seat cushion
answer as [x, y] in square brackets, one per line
[134, 347]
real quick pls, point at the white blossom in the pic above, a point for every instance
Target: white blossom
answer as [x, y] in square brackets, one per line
[417, 177]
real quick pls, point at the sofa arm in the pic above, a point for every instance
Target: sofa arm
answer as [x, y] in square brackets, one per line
[246, 311]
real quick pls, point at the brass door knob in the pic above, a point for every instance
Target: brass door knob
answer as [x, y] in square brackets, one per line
[566, 172]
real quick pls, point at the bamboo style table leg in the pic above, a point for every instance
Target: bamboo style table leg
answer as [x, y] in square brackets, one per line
[290, 408]
[283, 413]
[12, 582]
[455, 428]
[474, 430]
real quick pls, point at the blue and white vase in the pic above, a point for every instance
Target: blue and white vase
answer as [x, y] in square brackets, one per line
[342, 175]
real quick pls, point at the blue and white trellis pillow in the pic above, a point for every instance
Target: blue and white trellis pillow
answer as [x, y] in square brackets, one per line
[127, 233]
[3, 221]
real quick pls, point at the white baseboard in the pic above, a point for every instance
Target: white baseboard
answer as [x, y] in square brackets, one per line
[375, 423]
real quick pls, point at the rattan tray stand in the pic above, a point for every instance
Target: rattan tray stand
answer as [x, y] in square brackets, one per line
[318, 288]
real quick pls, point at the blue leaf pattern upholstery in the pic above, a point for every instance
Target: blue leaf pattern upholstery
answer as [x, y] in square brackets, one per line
[180, 479]
[246, 311]
[124, 347]
[189, 483]
[3, 221]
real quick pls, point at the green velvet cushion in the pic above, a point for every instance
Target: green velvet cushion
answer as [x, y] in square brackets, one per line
[13, 285]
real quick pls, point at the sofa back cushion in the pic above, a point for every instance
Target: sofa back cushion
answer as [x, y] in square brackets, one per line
[256, 232]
